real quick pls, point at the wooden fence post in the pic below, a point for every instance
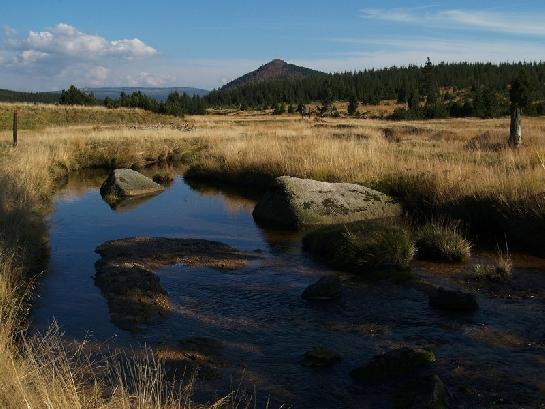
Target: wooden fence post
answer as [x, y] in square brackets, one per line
[15, 128]
[515, 135]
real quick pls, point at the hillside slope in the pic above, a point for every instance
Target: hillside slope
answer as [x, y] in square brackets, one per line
[274, 70]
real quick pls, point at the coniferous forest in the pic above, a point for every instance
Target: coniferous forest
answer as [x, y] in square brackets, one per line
[429, 91]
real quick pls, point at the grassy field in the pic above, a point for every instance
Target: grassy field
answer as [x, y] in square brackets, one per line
[458, 168]
[41, 372]
[39, 116]
[461, 168]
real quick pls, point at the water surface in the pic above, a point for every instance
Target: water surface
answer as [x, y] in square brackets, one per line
[257, 311]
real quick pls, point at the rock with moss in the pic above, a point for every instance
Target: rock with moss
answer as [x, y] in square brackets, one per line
[362, 246]
[320, 357]
[393, 363]
[294, 203]
[438, 242]
[453, 300]
[128, 183]
[423, 392]
[325, 289]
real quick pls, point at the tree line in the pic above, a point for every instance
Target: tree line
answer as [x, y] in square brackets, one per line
[431, 91]
[31, 97]
[176, 104]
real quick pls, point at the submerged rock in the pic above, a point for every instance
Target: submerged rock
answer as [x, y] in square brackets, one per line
[424, 392]
[453, 300]
[320, 357]
[125, 273]
[204, 345]
[395, 362]
[126, 183]
[197, 354]
[325, 289]
[294, 203]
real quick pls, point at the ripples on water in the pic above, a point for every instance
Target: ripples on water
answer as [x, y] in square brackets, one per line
[259, 315]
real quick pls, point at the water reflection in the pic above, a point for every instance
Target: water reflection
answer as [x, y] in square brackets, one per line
[258, 315]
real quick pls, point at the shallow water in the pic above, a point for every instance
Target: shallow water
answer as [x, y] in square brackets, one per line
[494, 357]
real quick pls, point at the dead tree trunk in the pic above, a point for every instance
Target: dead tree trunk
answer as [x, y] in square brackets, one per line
[515, 136]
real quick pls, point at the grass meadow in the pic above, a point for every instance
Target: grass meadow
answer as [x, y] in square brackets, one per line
[457, 168]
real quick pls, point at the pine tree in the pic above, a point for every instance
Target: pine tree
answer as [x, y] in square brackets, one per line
[74, 96]
[414, 100]
[353, 105]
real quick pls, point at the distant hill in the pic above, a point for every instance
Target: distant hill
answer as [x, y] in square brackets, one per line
[20, 96]
[158, 93]
[274, 70]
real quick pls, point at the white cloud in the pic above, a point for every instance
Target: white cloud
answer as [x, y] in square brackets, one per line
[66, 40]
[147, 79]
[63, 55]
[99, 74]
[482, 20]
[30, 56]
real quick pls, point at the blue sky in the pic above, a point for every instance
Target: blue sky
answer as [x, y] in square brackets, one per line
[46, 45]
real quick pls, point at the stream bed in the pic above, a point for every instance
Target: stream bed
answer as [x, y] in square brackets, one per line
[492, 358]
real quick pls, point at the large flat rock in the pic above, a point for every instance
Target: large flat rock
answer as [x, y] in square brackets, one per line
[294, 203]
[127, 183]
[125, 273]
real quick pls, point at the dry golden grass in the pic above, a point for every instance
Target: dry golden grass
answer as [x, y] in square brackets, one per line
[455, 158]
[39, 372]
[438, 161]
[39, 116]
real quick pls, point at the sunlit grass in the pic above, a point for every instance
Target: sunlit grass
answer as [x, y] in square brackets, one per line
[424, 162]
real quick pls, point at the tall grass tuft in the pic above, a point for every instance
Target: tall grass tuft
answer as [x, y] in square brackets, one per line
[442, 242]
[362, 247]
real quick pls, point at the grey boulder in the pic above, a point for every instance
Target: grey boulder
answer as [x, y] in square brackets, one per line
[127, 183]
[294, 203]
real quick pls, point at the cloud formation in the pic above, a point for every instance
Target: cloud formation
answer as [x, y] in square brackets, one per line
[62, 55]
[53, 58]
[66, 41]
[482, 20]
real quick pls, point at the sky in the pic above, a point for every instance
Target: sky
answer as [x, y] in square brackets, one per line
[50, 44]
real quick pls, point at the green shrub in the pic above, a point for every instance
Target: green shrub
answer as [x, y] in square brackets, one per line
[442, 242]
[362, 246]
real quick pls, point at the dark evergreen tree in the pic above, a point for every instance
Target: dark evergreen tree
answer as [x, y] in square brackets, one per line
[414, 99]
[352, 105]
[520, 93]
[74, 96]
[279, 109]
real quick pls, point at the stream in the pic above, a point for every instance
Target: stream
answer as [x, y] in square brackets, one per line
[492, 358]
